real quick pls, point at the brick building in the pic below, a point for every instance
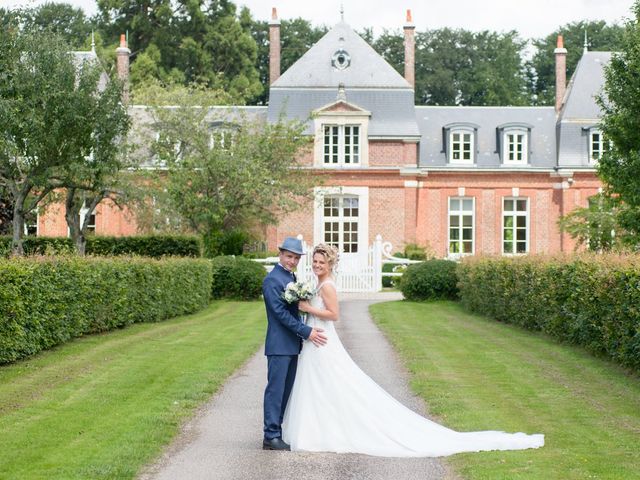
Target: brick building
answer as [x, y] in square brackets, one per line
[460, 180]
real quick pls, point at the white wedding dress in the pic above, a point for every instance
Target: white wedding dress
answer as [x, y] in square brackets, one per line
[336, 407]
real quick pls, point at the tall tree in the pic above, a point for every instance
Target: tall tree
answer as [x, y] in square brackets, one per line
[6, 211]
[600, 37]
[63, 19]
[47, 119]
[186, 41]
[619, 167]
[459, 67]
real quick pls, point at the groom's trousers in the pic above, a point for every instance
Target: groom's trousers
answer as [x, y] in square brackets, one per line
[281, 372]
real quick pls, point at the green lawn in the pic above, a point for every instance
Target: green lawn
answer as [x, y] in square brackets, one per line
[105, 405]
[477, 374]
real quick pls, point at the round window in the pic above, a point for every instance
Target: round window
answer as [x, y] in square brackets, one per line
[340, 59]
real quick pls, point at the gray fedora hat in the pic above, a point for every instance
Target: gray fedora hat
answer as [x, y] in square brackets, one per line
[292, 244]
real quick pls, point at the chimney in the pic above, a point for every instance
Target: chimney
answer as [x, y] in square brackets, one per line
[274, 47]
[409, 51]
[122, 65]
[561, 72]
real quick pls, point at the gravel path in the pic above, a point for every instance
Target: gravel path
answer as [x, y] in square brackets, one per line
[224, 440]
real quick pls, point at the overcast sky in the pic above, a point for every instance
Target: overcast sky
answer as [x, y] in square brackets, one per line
[531, 18]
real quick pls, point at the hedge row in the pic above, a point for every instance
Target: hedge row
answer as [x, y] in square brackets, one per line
[593, 301]
[47, 301]
[430, 280]
[155, 246]
[236, 277]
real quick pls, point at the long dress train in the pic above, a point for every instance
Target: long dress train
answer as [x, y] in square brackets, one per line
[336, 407]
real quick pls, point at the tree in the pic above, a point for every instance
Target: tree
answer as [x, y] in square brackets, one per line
[459, 67]
[595, 226]
[188, 41]
[48, 119]
[100, 175]
[229, 174]
[63, 19]
[600, 37]
[619, 167]
[6, 212]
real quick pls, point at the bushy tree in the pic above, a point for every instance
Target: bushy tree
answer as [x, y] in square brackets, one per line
[619, 167]
[227, 172]
[53, 115]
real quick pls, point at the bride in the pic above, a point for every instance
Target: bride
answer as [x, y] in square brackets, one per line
[335, 406]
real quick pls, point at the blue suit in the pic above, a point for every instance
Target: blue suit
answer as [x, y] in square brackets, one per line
[285, 332]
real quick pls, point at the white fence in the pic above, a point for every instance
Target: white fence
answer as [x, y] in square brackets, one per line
[356, 272]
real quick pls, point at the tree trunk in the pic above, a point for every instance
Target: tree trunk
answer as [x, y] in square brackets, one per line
[17, 248]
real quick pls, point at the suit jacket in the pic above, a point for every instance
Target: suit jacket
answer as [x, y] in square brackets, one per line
[285, 330]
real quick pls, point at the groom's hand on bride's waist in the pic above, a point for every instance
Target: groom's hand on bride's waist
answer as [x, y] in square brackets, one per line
[317, 337]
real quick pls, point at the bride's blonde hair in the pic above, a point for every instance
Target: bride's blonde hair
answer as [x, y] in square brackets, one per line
[329, 252]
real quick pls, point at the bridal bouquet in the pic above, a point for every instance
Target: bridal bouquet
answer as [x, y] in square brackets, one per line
[296, 291]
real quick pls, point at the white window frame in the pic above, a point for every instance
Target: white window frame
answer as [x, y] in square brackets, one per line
[84, 211]
[342, 153]
[603, 145]
[508, 144]
[460, 212]
[472, 142]
[363, 214]
[515, 214]
[31, 225]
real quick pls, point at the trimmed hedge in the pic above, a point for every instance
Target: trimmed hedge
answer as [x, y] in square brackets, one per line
[155, 246]
[47, 301]
[236, 277]
[430, 280]
[593, 301]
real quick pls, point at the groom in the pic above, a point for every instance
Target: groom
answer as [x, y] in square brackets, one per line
[285, 332]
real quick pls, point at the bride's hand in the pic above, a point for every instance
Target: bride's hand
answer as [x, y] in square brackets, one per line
[303, 306]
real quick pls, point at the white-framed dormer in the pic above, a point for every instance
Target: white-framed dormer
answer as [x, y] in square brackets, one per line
[513, 143]
[598, 144]
[341, 218]
[460, 143]
[341, 135]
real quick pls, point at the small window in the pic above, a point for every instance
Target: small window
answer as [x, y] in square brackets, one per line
[461, 146]
[515, 146]
[459, 142]
[340, 222]
[598, 145]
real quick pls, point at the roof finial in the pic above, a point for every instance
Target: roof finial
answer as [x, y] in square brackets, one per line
[342, 11]
[93, 42]
[586, 43]
[342, 95]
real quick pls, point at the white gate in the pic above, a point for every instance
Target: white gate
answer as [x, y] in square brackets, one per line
[356, 272]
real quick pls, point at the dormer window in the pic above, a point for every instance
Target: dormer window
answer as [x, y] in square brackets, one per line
[460, 142]
[598, 145]
[341, 145]
[513, 142]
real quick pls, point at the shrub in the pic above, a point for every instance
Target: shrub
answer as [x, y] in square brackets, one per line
[47, 301]
[237, 277]
[587, 300]
[155, 246]
[430, 280]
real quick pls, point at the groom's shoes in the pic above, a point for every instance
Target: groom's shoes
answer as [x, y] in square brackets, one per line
[275, 444]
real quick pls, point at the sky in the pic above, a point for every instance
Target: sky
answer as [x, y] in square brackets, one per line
[531, 18]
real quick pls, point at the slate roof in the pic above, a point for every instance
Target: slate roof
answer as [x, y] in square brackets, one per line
[392, 111]
[367, 69]
[370, 83]
[90, 56]
[580, 111]
[542, 148]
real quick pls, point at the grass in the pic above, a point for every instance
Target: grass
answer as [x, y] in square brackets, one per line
[103, 406]
[478, 374]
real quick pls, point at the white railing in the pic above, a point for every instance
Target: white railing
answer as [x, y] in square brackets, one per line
[356, 272]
